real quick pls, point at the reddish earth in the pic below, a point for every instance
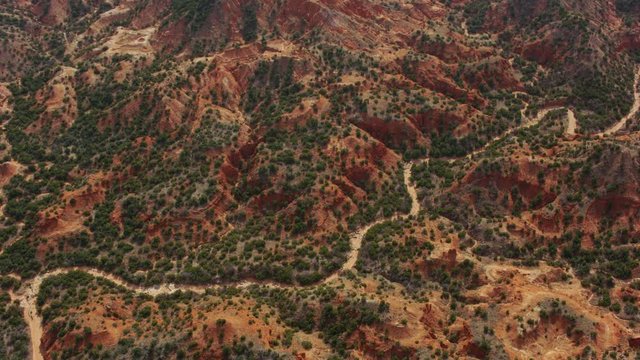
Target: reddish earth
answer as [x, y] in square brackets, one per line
[233, 122]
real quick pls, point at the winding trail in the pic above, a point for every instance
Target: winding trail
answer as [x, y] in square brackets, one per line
[572, 122]
[632, 112]
[27, 295]
[570, 129]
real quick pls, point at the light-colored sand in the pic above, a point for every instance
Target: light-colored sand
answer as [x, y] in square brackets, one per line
[28, 293]
[571, 123]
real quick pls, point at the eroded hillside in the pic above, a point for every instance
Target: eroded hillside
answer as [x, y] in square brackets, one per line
[320, 179]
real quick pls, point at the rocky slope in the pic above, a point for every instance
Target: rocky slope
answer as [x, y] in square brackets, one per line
[211, 143]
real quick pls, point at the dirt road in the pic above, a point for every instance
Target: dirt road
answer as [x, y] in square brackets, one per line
[634, 109]
[571, 123]
[28, 293]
